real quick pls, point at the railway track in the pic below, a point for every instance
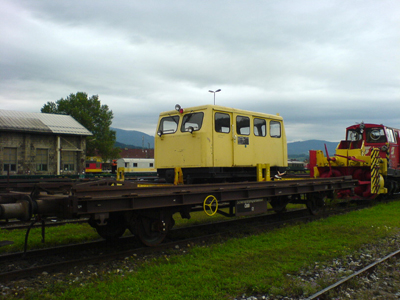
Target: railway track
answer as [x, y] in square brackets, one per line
[369, 268]
[61, 258]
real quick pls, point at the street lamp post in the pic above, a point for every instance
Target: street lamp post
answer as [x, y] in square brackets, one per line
[214, 93]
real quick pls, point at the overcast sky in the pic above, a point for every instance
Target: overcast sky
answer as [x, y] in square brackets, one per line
[322, 65]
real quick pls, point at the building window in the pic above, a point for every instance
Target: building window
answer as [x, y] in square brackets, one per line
[10, 159]
[42, 156]
[68, 160]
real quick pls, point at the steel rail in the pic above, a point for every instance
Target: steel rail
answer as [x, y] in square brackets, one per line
[344, 280]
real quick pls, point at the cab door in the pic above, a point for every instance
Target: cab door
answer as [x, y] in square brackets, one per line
[222, 139]
[397, 137]
[393, 148]
[242, 141]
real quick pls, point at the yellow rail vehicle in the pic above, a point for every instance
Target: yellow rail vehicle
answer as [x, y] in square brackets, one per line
[213, 143]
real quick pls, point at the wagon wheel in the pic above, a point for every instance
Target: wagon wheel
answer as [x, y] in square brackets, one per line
[315, 203]
[279, 203]
[113, 229]
[151, 231]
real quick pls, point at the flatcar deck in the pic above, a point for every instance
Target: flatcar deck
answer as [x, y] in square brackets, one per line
[147, 211]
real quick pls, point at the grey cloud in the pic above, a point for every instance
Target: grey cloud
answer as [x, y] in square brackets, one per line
[314, 62]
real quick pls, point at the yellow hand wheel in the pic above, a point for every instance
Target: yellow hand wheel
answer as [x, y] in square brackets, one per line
[210, 205]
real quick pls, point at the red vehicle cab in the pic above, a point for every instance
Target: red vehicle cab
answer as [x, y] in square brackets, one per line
[93, 165]
[378, 136]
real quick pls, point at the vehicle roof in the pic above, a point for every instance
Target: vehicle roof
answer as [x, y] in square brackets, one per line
[135, 159]
[370, 125]
[222, 108]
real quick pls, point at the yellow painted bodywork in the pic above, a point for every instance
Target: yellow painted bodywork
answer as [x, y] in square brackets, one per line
[208, 148]
[263, 172]
[345, 158]
[341, 159]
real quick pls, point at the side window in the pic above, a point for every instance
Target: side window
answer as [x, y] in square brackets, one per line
[194, 120]
[391, 136]
[222, 123]
[168, 125]
[260, 127]
[242, 125]
[275, 129]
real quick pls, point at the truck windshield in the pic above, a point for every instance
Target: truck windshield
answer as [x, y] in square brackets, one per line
[353, 135]
[376, 135]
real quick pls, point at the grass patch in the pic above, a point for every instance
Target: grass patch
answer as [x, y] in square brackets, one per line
[55, 236]
[255, 264]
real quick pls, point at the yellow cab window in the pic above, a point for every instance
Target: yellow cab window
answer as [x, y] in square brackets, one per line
[194, 121]
[168, 124]
[242, 125]
[222, 122]
[275, 129]
[260, 127]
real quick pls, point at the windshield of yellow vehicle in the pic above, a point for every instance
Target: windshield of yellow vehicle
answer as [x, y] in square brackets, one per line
[168, 125]
[192, 121]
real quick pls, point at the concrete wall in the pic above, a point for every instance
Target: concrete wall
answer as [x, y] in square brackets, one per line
[34, 149]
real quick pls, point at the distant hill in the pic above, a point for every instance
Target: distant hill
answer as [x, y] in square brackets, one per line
[297, 148]
[133, 139]
[123, 146]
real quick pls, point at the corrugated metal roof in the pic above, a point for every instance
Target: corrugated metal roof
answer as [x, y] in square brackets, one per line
[39, 122]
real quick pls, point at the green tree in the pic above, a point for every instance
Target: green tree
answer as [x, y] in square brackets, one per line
[95, 117]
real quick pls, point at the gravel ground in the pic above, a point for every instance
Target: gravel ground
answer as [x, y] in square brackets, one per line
[382, 283]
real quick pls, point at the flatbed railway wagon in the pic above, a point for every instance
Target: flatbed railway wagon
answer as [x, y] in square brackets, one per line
[148, 212]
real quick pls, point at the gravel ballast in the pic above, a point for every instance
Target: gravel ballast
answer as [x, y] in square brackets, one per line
[383, 282]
